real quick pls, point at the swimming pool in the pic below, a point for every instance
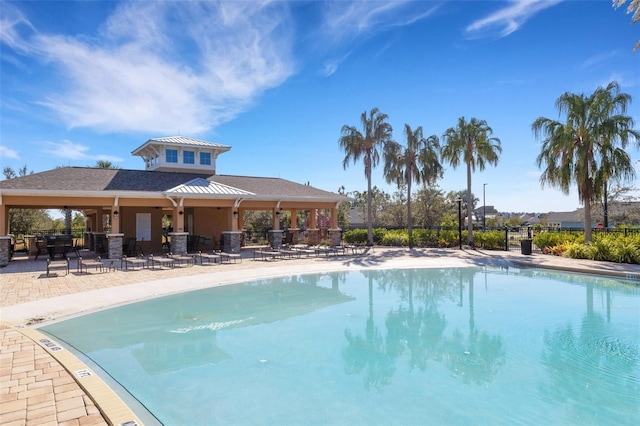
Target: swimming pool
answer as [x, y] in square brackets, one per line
[405, 346]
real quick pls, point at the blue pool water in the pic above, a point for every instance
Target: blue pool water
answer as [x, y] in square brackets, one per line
[390, 347]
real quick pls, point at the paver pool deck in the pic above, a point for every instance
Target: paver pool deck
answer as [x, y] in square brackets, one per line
[42, 384]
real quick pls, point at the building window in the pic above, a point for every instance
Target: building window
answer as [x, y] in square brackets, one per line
[188, 157]
[205, 158]
[172, 156]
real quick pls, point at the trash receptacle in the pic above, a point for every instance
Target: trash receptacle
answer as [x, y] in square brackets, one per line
[525, 246]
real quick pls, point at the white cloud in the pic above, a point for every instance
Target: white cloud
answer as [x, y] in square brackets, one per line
[8, 153]
[165, 67]
[509, 19]
[345, 20]
[74, 151]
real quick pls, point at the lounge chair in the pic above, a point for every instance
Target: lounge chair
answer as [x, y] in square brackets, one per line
[266, 253]
[224, 256]
[57, 264]
[326, 250]
[133, 262]
[304, 250]
[161, 261]
[289, 251]
[211, 257]
[84, 264]
[182, 259]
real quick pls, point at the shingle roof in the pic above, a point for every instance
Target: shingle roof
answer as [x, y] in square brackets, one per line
[89, 179]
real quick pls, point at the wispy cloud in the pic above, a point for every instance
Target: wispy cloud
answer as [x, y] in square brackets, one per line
[346, 22]
[74, 151]
[8, 153]
[162, 67]
[595, 60]
[508, 19]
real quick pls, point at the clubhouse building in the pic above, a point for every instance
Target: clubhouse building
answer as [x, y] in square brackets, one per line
[179, 182]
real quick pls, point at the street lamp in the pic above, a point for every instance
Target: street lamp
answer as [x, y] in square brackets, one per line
[484, 208]
[459, 200]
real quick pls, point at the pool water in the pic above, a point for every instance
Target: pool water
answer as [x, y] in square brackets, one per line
[390, 347]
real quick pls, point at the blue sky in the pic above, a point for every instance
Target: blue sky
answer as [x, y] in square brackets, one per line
[83, 81]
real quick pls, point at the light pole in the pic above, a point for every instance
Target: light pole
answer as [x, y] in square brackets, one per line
[484, 208]
[459, 200]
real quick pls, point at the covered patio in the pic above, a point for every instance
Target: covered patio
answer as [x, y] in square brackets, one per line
[125, 206]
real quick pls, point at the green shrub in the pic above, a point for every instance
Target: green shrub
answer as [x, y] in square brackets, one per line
[602, 249]
[491, 240]
[355, 236]
[550, 239]
[572, 250]
[398, 238]
[627, 251]
[378, 235]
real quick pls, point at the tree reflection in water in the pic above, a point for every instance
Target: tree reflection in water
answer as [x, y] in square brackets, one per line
[588, 365]
[417, 328]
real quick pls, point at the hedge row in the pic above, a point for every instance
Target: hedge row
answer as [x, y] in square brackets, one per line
[425, 238]
[605, 247]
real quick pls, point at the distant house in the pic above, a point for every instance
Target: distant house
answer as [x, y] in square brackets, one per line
[490, 211]
[565, 220]
[528, 219]
[356, 218]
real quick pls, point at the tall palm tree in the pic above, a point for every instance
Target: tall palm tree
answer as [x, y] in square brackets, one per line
[366, 145]
[615, 131]
[581, 151]
[470, 143]
[417, 161]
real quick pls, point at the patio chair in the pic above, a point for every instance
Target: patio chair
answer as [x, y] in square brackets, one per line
[133, 262]
[266, 253]
[59, 248]
[182, 259]
[41, 248]
[224, 256]
[57, 264]
[129, 246]
[84, 264]
[211, 257]
[161, 261]
[137, 251]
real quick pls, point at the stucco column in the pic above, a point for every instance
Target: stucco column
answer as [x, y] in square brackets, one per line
[313, 216]
[99, 222]
[4, 220]
[276, 219]
[334, 217]
[178, 219]
[235, 218]
[294, 218]
[115, 220]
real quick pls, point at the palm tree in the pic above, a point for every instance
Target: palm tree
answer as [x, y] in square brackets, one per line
[105, 164]
[581, 150]
[470, 142]
[356, 145]
[418, 161]
[634, 9]
[616, 130]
